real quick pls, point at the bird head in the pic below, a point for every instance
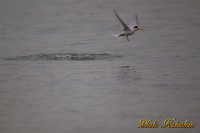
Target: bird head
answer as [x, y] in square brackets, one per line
[137, 27]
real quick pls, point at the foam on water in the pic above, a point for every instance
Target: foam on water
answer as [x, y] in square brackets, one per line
[66, 56]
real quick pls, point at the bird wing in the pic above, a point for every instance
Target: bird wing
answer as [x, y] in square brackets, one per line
[122, 22]
[136, 19]
[134, 22]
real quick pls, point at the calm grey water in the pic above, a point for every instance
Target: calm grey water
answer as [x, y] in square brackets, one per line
[161, 80]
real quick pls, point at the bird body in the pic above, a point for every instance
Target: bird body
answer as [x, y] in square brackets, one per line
[127, 33]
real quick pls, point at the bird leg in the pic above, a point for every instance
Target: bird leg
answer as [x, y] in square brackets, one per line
[127, 38]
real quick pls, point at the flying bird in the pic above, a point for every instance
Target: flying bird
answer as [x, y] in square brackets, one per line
[127, 30]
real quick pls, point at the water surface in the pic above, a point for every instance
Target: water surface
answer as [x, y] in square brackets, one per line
[157, 77]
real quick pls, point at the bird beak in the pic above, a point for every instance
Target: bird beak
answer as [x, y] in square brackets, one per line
[139, 28]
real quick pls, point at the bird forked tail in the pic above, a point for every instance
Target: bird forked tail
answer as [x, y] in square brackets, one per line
[116, 35]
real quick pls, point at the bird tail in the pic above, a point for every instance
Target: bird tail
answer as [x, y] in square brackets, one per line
[116, 35]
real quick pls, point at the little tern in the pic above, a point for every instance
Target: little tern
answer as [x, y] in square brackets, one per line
[128, 30]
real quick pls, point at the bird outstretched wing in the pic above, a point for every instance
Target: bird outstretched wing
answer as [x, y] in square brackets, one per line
[134, 22]
[121, 21]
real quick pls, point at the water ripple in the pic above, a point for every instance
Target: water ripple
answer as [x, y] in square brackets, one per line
[66, 56]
